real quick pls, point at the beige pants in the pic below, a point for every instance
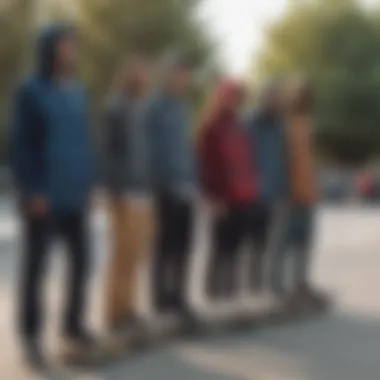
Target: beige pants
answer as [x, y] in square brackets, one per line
[131, 230]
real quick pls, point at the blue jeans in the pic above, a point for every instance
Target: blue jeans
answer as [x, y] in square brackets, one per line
[296, 235]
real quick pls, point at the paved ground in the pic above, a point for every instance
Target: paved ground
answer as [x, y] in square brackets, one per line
[343, 345]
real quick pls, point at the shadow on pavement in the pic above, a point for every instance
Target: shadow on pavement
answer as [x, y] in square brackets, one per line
[330, 347]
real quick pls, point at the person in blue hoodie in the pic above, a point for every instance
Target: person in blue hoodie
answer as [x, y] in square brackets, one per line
[173, 172]
[269, 154]
[52, 165]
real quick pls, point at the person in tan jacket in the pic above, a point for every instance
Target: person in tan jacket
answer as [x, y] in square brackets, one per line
[127, 174]
[303, 191]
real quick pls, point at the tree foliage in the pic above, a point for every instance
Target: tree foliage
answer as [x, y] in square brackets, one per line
[337, 43]
[113, 29]
[15, 26]
[109, 30]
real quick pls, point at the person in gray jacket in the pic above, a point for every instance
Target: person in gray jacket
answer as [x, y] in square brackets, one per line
[127, 175]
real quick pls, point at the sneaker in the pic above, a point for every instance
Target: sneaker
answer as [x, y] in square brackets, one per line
[316, 299]
[78, 348]
[133, 332]
[83, 338]
[190, 324]
[308, 299]
[34, 356]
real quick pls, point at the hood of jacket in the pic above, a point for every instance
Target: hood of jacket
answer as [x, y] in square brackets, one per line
[47, 42]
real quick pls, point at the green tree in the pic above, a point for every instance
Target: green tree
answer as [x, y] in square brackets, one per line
[110, 30]
[16, 23]
[337, 43]
[113, 29]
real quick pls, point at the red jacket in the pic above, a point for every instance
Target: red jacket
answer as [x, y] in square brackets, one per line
[225, 162]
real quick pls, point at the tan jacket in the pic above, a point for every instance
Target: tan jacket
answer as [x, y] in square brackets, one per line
[301, 160]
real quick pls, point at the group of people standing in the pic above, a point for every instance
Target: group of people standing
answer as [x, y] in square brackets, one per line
[249, 169]
[257, 171]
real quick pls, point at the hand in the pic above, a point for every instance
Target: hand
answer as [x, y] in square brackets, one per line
[37, 206]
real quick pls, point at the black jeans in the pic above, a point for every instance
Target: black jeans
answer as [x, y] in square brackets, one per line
[229, 231]
[72, 228]
[172, 250]
[296, 237]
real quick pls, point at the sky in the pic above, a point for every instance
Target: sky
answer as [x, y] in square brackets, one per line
[240, 25]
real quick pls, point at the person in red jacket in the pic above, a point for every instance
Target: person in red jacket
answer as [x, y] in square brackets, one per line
[228, 181]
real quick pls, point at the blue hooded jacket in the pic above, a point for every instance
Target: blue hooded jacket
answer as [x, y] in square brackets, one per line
[269, 152]
[50, 146]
